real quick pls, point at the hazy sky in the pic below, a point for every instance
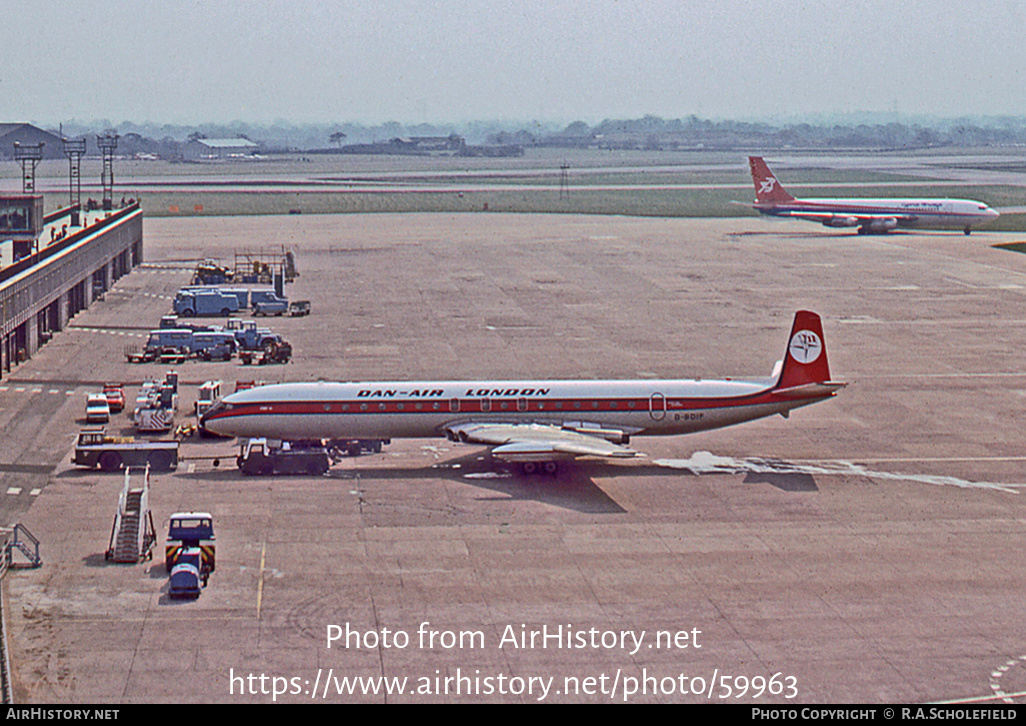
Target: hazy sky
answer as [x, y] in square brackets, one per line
[191, 61]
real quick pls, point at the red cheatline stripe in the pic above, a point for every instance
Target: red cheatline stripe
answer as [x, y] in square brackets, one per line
[474, 405]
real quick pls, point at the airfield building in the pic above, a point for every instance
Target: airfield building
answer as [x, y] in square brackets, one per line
[50, 270]
[199, 149]
[29, 135]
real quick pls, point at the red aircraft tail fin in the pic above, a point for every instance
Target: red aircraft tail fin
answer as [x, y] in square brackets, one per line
[767, 189]
[805, 361]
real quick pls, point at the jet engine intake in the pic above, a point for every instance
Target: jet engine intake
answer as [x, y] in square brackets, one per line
[881, 225]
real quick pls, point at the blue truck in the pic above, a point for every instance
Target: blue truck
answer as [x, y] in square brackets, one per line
[277, 306]
[267, 302]
[250, 337]
[246, 296]
[193, 303]
[214, 345]
[206, 343]
[180, 334]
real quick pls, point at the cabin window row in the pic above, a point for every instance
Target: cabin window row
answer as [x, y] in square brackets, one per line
[487, 405]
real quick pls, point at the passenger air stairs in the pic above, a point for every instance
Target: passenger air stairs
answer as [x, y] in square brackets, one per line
[19, 539]
[133, 535]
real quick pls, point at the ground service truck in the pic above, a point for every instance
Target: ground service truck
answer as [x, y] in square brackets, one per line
[272, 456]
[267, 456]
[189, 553]
[94, 448]
[191, 303]
[190, 529]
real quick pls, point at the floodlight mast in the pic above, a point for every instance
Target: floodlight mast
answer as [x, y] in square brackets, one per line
[29, 155]
[108, 143]
[74, 149]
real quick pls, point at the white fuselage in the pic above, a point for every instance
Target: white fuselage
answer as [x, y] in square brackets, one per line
[426, 409]
[959, 214]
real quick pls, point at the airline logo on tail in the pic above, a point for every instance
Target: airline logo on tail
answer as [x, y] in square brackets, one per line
[805, 347]
[805, 361]
[767, 189]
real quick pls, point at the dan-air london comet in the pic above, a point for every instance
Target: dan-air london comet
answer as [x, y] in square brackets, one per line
[534, 423]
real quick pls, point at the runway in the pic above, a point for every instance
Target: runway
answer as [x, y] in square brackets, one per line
[865, 550]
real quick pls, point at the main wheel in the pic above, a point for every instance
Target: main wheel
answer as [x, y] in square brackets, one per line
[161, 460]
[110, 461]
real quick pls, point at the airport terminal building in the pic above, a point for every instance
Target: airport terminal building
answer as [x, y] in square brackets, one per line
[51, 270]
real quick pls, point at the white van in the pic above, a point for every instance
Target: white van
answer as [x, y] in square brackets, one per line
[97, 408]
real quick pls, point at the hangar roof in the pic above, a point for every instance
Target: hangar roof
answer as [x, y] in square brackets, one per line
[226, 143]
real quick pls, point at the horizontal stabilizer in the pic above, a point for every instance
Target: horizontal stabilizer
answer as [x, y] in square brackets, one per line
[810, 390]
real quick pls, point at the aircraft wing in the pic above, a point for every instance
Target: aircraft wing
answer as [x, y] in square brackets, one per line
[537, 442]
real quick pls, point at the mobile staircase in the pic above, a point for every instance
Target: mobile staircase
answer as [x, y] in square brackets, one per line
[19, 539]
[133, 534]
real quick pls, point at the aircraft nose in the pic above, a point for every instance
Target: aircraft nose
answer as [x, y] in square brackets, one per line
[212, 413]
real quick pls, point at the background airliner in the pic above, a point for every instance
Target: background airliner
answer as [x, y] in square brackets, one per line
[869, 215]
[531, 422]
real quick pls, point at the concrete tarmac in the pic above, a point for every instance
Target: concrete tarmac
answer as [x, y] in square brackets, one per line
[865, 550]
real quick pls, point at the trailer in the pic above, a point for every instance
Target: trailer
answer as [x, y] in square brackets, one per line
[94, 448]
[269, 456]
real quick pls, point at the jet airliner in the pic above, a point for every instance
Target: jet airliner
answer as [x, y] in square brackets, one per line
[869, 215]
[531, 422]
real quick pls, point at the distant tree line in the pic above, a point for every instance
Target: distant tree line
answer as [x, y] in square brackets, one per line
[647, 132]
[655, 133]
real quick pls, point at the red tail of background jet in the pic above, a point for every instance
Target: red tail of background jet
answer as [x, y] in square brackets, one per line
[767, 189]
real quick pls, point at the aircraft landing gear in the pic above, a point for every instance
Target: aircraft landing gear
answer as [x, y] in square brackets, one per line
[529, 468]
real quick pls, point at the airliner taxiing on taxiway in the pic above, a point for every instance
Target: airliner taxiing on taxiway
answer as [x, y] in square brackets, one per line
[531, 422]
[869, 215]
